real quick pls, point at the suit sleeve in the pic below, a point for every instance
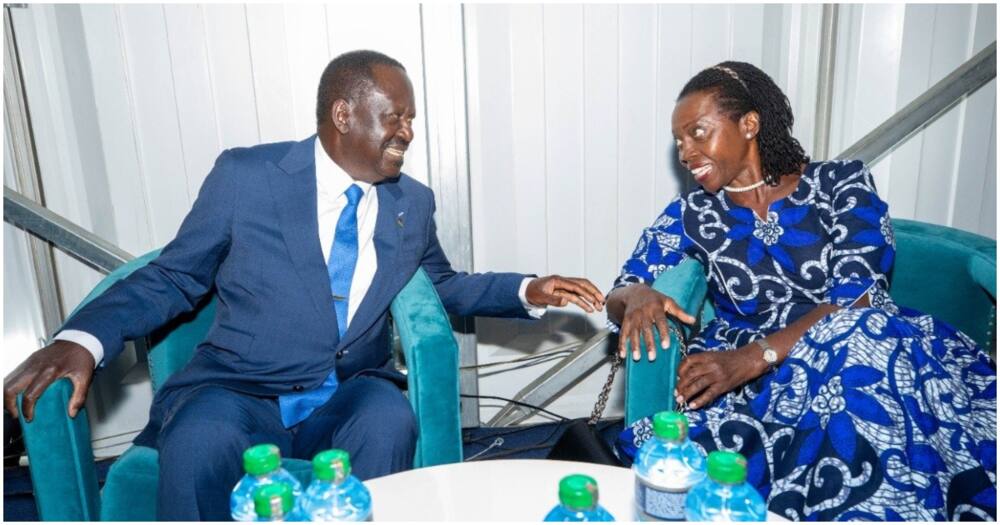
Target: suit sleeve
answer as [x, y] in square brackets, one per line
[484, 294]
[175, 281]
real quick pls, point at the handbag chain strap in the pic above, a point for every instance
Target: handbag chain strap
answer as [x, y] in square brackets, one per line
[616, 363]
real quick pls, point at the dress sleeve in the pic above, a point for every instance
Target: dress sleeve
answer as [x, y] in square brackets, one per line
[863, 243]
[661, 246]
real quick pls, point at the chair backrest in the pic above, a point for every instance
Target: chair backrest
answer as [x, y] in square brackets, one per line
[948, 273]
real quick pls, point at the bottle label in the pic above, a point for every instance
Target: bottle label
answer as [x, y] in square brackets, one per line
[654, 503]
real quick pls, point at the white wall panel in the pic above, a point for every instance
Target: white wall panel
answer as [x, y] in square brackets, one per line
[272, 81]
[115, 118]
[156, 120]
[889, 55]
[306, 29]
[200, 126]
[637, 207]
[970, 201]
[866, 73]
[943, 139]
[23, 327]
[600, 148]
[231, 74]
[524, 184]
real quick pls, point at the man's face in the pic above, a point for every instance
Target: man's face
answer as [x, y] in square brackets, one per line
[381, 126]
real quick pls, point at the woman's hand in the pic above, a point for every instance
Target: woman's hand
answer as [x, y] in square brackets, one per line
[644, 308]
[705, 376]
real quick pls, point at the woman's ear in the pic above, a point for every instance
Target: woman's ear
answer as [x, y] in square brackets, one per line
[750, 124]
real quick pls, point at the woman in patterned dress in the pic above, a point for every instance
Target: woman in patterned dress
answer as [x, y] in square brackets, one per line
[846, 405]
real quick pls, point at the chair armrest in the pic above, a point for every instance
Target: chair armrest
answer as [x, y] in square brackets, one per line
[983, 270]
[432, 360]
[649, 386]
[60, 458]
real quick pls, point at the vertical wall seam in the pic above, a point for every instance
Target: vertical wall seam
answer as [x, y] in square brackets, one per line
[134, 121]
[545, 152]
[962, 108]
[177, 106]
[211, 78]
[583, 136]
[919, 137]
[253, 77]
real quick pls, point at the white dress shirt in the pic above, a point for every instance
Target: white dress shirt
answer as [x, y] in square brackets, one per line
[331, 183]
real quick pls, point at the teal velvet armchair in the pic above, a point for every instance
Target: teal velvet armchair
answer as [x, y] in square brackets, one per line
[942, 271]
[59, 448]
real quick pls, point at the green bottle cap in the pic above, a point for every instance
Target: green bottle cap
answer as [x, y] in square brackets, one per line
[273, 500]
[332, 465]
[261, 459]
[727, 467]
[672, 426]
[578, 491]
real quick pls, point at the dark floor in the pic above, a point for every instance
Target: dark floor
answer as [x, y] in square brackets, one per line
[527, 442]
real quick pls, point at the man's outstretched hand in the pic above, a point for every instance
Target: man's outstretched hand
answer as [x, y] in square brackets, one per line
[554, 290]
[41, 369]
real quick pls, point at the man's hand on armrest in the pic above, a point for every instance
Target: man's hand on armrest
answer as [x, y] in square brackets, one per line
[554, 290]
[41, 369]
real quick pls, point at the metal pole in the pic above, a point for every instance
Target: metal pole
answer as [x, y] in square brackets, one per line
[556, 380]
[926, 108]
[65, 235]
[17, 127]
[824, 87]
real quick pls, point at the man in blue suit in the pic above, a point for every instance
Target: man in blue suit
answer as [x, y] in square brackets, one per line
[306, 244]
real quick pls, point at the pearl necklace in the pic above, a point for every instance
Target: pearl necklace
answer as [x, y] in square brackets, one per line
[740, 189]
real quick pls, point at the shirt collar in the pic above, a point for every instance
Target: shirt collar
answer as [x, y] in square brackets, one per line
[331, 179]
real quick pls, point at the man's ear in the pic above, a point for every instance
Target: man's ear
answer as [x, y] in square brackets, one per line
[750, 124]
[340, 115]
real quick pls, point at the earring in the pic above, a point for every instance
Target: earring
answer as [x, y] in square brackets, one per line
[749, 136]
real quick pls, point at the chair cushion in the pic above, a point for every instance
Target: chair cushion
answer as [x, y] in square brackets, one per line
[129, 493]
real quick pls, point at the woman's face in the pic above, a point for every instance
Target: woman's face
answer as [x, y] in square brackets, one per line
[710, 144]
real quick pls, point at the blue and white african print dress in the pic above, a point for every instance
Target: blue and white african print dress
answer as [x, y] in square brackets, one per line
[878, 413]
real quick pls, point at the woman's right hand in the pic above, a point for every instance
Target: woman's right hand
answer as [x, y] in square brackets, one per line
[644, 308]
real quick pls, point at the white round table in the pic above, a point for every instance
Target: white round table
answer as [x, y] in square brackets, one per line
[495, 490]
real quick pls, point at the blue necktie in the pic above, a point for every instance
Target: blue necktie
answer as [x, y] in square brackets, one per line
[343, 258]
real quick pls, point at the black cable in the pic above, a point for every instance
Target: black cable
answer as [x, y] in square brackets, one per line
[521, 365]
[518, 403]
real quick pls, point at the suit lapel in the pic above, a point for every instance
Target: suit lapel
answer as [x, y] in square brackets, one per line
[388, 238]
[295, 199]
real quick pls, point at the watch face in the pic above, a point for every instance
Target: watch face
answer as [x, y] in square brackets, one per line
[770, 356]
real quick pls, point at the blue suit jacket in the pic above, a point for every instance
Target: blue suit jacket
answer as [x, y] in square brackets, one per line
[252, 237]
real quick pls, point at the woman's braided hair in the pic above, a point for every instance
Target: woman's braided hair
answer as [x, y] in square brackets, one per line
[740, 88]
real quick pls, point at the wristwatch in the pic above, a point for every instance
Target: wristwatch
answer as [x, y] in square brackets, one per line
[770, 355]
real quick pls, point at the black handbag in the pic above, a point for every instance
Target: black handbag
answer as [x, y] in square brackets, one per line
[581, 441]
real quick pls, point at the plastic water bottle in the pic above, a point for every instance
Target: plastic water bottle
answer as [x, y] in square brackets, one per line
[334, 494]
[666, 467]
[578, 501]
[275, 502]
[262, 464]
[725, 495]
